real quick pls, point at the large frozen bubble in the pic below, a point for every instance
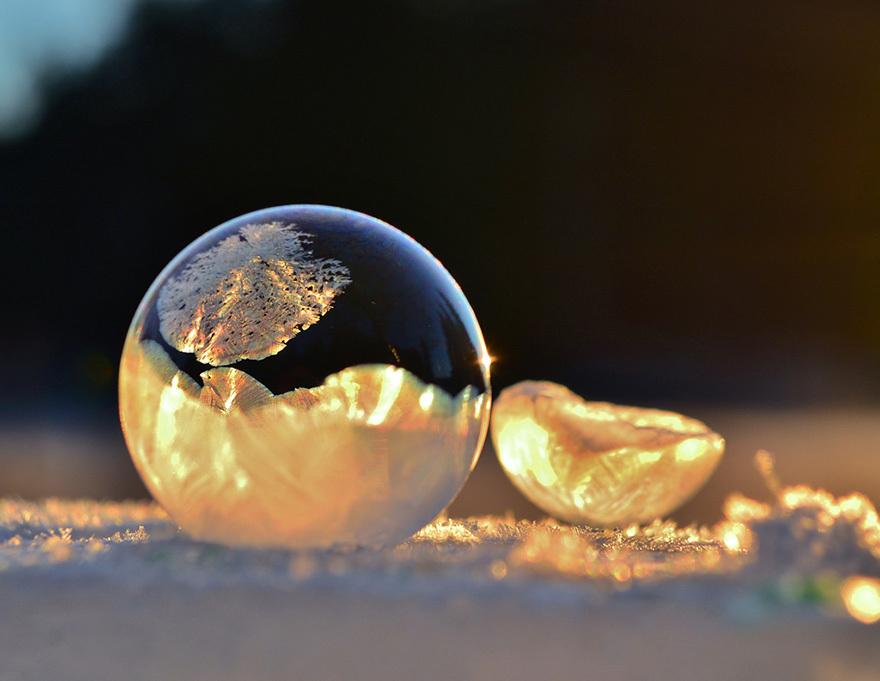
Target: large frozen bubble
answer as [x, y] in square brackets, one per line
[304, 376]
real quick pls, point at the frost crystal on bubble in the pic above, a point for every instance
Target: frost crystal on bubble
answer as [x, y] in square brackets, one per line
[246, 297]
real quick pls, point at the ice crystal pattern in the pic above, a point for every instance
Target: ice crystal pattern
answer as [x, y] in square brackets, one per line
[247, 296]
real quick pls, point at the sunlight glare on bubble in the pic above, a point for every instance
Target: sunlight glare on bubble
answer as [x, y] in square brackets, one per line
[487, 359]
[426, 399]
[649, 457]
[520, 438]
[690, 450]
[391, 385]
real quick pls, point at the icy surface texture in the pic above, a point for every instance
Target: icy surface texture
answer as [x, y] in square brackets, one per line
[598, 463]
[804, 537]
[113, 591]
[304, 376]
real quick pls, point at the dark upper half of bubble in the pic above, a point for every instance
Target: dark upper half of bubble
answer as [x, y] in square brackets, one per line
[401, 307]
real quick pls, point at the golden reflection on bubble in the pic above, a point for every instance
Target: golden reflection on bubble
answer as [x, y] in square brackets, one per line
[599, 463]
[367, 458]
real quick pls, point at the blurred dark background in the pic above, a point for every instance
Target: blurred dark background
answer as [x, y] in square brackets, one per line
[672, 204]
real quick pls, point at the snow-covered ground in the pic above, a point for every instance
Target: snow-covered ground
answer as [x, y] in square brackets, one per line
[110, 591]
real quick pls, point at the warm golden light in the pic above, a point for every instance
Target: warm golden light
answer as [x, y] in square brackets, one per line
[598, 463]
[861, 596]
[487, 360]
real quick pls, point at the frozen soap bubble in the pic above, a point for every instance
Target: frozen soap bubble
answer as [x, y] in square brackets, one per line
[304, 376]
[598, 463]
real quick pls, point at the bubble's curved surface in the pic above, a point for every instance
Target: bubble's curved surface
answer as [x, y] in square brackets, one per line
[304, 376]
[598, 463]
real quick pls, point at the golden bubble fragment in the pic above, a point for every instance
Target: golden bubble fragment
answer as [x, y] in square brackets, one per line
[599, 463]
